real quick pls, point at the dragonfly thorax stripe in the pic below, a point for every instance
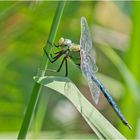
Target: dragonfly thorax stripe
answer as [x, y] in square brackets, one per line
[74, 47]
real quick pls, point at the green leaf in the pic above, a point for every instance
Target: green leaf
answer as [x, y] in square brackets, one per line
[128, 77]
[43, 66]
[96, 121]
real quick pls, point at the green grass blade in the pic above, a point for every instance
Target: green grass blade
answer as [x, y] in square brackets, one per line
[52, 35]
[39, 115]
[96, 121]
[125, 72]
[37, 87]
[132, 99]
[29, 111]
[134, 49]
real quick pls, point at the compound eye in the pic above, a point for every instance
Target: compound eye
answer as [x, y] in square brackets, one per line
[67, 42]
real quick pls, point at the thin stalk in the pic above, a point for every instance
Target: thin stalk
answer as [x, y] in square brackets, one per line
[43, 66]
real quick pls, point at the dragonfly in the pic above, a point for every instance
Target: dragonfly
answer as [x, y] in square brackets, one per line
[87, 65]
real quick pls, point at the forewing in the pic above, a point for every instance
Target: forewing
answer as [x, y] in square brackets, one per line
[88, 64]
[85, 40]
[86, 47]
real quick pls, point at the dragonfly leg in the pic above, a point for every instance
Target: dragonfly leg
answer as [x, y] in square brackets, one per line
[60, 52]
[53, 44]
[56, 45]
[61, 65]
[56, 52]
[56, 57]
[52, 58]
[66, 64]
[47, 54]
[49, 43]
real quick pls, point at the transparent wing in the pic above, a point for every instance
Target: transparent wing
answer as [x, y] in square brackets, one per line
[91, 64]
[94, 90]
[85, 40]
[86, 46]
[88, 64]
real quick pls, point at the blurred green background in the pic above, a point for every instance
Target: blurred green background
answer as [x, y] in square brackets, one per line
[24, 29]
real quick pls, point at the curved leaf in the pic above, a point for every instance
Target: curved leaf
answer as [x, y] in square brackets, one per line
[96, 121]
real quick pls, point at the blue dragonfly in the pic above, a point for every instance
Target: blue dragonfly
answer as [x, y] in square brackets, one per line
[87, 64]
[89, 68]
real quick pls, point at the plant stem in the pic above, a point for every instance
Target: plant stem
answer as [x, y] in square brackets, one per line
[43, 66]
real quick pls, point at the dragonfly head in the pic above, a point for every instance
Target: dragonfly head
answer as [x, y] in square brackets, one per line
[64, 42]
